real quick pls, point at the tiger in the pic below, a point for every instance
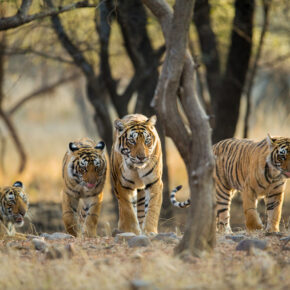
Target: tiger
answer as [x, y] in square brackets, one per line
[13, 209]
[256, 170]
[136, 173]
[84, 173]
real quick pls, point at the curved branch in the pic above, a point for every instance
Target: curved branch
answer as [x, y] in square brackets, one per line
[165, 96]
[16, 140]
[41, 92]
[22, 18]
[73, 50]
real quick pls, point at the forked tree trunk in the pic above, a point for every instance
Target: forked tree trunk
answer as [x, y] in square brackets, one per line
[194, 144]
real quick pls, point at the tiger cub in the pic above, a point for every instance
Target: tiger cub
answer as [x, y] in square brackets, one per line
[136, 172]
[14, 206]
[256, 169]
[84, 174]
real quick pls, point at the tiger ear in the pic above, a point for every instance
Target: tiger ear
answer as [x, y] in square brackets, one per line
[73, 147]
[101, 145]
[118, 124]
[18, 184]
[270, 140]
[152, 120]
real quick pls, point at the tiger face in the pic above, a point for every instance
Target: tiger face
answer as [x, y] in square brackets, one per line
[87, 164]
[14, 204]
[137, 141]
[280, 154]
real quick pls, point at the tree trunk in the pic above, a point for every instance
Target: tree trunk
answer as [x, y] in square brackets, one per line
[226, 106]
[225, 90]
[194, 144]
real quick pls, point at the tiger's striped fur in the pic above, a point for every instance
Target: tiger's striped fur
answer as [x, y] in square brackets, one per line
[13, 208]
[136, 172]
[84, 174]
[178, 203]
[256, 169]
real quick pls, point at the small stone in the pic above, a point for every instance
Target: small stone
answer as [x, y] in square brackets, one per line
[138, 256]
[39, 244]
[57, 236]
[141, 285]
[70, 250]
[247, 244]
[139, 241]
[124, 237]
[235, 238]
[169, 238]
[53, 253]
[115, 232]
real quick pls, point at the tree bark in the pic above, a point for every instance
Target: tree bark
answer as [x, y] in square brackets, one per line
[226, 105]
[194, 144]
[225, 89]
[208, 44]
[253, 69]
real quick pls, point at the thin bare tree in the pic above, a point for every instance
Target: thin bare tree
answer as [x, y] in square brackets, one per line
[194, 141]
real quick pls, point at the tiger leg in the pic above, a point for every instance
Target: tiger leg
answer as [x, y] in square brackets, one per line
[154, 192]
[223, 197]
[69, 213]
[127, 217]
[91, 210]
[274, 204]
[250, 203]
[141, 202]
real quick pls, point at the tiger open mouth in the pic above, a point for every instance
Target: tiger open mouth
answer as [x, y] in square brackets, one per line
[19, 220]
[90, 185]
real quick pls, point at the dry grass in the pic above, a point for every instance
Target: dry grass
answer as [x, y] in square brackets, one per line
[102, 264]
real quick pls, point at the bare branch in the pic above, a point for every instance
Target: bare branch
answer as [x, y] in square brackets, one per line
[16, 140]
[40, 92]
[73, 50]
[24, 8]
[252, 72]
[22, 18]
[27, 50]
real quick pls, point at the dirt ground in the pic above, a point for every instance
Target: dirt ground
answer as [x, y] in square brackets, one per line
[102, 263]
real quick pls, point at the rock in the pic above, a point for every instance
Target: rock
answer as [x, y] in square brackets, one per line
[247, 244]
[56, 236]
[115, 232]
[141, 285]
[53, 253]
[124, 237]
[139, 241]
[235, 238]
[39, 244]
[169, 238]
[285, 239]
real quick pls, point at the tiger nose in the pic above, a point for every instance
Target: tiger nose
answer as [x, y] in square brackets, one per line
[141, 157]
